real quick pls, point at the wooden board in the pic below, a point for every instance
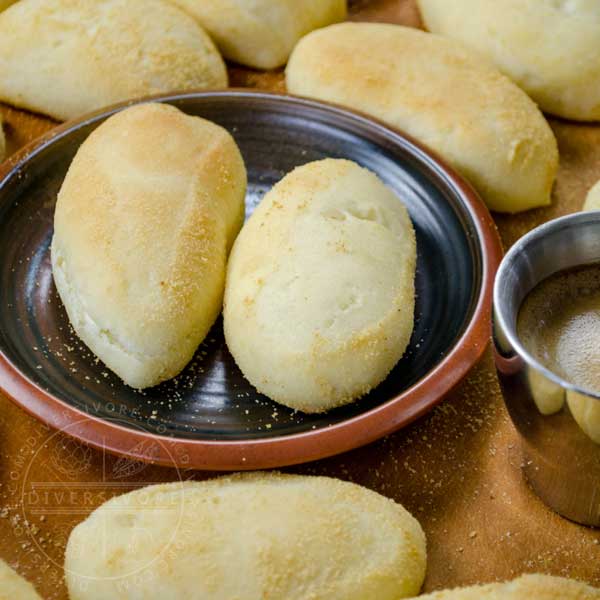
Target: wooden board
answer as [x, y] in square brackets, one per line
[458, 469]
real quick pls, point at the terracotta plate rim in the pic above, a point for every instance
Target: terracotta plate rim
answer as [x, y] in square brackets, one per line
[290, 449]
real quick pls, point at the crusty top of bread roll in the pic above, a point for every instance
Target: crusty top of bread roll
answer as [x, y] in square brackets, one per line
[441, 93]
[527, 587]
[262, 33]
[250, 536]
[148, 209]
[550, 48]
[14, 587]
[68, 57]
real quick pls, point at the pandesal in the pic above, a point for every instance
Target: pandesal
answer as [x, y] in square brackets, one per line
[259, 535]
[442, 94]
[64, 58]
[144, 220]
[551, 48]
[526, 587]
[592, 201]
[262, 33]
[319, 300]
[13, 586]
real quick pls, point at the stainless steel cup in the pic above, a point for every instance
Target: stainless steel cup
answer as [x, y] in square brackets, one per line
[559, 423]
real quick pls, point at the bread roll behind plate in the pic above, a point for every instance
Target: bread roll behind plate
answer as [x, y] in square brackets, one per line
[64, 58]
[143, 222]
[319, 302]
[442, 94]
[262, 33]
[527, 587]
[249, 537]
[13, 586]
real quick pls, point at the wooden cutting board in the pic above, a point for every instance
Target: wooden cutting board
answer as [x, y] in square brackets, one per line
[457, 469]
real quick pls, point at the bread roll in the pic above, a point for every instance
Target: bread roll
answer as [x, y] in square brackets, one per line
[551, 48]
[262, 33]
[592, 201]
[586, 412]
[260, 535]
[527, 587]
[548, 396]
[144, 219]
[443, 95]
[319, 301]
[68, 57]
[13, 586]
[2, 142]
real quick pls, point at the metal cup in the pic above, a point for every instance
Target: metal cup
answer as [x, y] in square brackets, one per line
[558, 422]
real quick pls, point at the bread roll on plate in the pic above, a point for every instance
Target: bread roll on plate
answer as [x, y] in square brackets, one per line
[442, 94]
[144, 219]
[14, 587]
[551, 48]
[592, 201]
[262, 33]
[64, 58]
[527, 587]
[319, 301]
[248, 537]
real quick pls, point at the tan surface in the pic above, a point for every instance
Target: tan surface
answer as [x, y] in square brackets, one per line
[457, 469]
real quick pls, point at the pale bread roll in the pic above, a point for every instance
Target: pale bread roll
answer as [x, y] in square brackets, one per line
[551, 48]
[548, 396]
[319, 301]
[64, 58]
[592, 201]
[14, 587]
[443, 95]
[586, 412]
[259, 535]
[262, 33]
[144, 219]
[526, 587]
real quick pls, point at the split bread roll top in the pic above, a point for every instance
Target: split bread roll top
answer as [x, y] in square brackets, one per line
[319, 301]
[14, 587]
[259, 535]
[442, 94]
[147, 212]
[262, 33]
[527, 587]
[64, 58]
[550, 48]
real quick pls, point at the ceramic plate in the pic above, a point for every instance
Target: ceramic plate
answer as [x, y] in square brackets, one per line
[210, 417]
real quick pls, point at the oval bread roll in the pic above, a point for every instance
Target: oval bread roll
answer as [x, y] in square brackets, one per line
[148, 209]
[14, 587]
[527, 587]
[586, 412]
[64, 58]
[262, 33]
[443, 95]
[551, 48]
[259, 535]
[319, 301]
[592, 201]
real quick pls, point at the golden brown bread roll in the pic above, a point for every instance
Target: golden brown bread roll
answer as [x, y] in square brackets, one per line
[144, 219]
[64, 58]
[258, 535]
[319, 301]
[551, 48]
[262, 33]
[443, 95]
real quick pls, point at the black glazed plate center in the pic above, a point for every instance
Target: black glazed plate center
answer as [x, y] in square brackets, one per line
[211, 400]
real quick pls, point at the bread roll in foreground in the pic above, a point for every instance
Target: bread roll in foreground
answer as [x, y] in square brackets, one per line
[319, 300]
[442, 94]
[527, 587]
[262, 33]
[592, 201]
[64, 58]
[13, 586]
[248, 537]
[144, 219]
[550, 48]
